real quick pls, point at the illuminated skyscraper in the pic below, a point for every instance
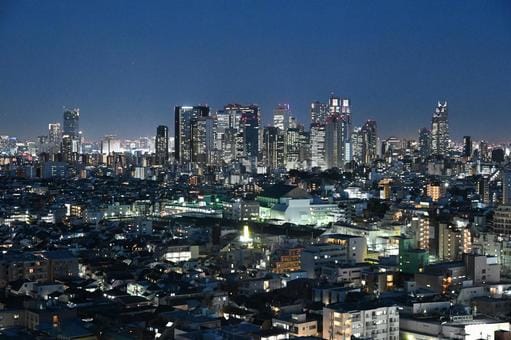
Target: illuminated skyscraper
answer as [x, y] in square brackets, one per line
[250, 122]
[440, 130]
[293, 145]
[162, 144]
[337, 140]
[202, 140]
[424, 142]
[319, 112]
[273, 147]
[185, 117]
[369, 141]
[72, 123]
[281, 116]
[506, 186]
[110, 144]
[54, 133]
[317, 144]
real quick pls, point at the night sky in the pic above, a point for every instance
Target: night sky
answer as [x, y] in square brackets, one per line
[127, 63]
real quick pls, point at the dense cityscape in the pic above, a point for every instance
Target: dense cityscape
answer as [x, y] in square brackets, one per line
[228, 229]
[255, 170]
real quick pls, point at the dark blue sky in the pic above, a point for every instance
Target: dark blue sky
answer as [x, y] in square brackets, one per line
[127, 63]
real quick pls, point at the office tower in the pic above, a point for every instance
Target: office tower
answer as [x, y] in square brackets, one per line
[69, 149]
[319, 112]
[72, 123]
[281, 116]
[334, 105]
[369, 141]
[162, 145]
[440, 130]
[202, 140]
[424, 142]
[273, 147]
[293, 145]
[467, 147]
[185, 117]
[317, 144]
[292, 122]
[337, 140]
[506, 186]
[250, 122]
[305, 148]
[357, 142]
[110, 144]
[54, 133]
[483, 150]
[483, 189]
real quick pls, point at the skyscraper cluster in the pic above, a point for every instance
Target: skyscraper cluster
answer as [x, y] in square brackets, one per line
[234, 135]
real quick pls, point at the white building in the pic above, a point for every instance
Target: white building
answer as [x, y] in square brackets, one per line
[363, 321]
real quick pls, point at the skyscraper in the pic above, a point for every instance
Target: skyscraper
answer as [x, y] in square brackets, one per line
[424, 142]
[293, 146]
[369, 141]
[506, 185]
[273, 147]
[357, 141]
[281, 116]
[338, 140]
[319, 112]
[440, 130]
[467, 146]
[72, 123]
[185, 117]
[202, 140]
[162, 144]
[250, 122]
[317, 144]
[54, 133]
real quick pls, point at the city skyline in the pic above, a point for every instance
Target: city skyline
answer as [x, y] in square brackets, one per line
[428, 52]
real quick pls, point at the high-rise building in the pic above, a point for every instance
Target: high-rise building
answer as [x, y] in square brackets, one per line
[319, 112]
[424, 142]
[502, 220]
[357, 142]
[281, 116]
[305, 147]
[337, 140]
[467, 146]
[69, 149]
[110, 144]
[54, 133]
[317, 144]
[440, 130]
[369, 141]
[506, 186]
[250, 122]
[202, 140]
[72, 123]
[293, 145]
[483, 150]
[162, 144]
[185, 117]
[273, 147]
